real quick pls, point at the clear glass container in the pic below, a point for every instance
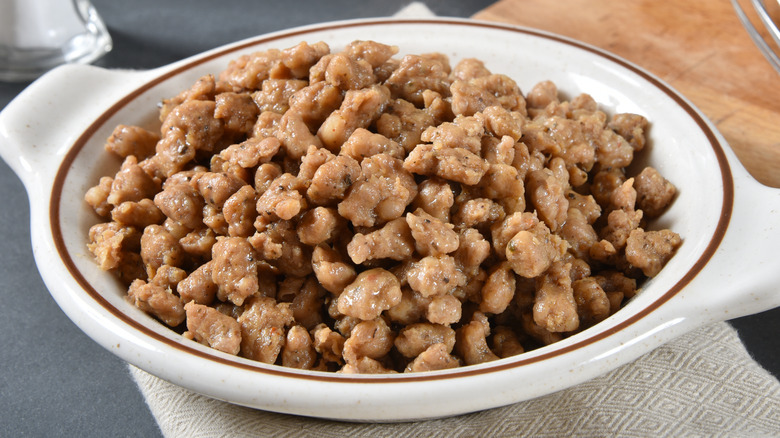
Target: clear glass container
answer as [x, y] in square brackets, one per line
[38, 35]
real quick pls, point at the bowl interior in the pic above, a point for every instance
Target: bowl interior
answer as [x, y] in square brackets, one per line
[680, 144]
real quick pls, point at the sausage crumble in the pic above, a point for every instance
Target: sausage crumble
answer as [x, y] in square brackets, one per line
[357, 212]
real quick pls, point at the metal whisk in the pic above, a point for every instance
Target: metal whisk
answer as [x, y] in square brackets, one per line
[769, 47]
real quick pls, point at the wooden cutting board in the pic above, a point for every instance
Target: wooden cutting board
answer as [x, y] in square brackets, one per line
[699, 47]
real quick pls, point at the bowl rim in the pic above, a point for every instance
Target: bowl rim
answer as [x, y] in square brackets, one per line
[465, 371]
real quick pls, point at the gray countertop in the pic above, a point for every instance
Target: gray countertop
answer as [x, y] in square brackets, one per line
[54, 379]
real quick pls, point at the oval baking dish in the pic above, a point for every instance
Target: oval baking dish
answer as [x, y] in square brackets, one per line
[53, 135]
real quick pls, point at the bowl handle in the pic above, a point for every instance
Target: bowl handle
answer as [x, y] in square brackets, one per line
[38, 127]
[743, 275]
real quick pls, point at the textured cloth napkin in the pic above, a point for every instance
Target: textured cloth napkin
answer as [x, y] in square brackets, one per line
[702, 384]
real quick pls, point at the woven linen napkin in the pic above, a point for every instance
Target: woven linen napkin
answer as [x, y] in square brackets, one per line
[702, 384]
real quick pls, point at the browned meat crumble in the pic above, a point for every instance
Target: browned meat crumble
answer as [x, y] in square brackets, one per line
[360, 213]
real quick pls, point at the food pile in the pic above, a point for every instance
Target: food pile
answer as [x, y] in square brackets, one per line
[362, 213]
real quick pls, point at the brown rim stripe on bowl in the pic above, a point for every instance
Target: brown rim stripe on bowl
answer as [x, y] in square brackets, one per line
[717, 237]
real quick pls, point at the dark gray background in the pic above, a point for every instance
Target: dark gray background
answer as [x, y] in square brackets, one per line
[54, 380]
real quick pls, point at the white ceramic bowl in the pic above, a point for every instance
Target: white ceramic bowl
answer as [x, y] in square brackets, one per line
[53, 133]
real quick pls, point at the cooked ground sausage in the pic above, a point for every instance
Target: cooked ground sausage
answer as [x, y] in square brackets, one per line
[381, 194]
[159, 247]
[431, 236]
[414, 339]
[531, 252]
[555, 308]
[211, 327]
[372, 338]
[499, 289]
[393, 241]
[298, 350]
[471, 344]
[653, 191]
[592, 302]
[157, 300]
[355, 212]
[132, 140]
[435, 275]
[234, 270]
[137, 214]
[650, 250]
[435, 357]
[372, 292]
[131, 183]
[198, 286]
[505, 342]
[263, 325]
[181, 202]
